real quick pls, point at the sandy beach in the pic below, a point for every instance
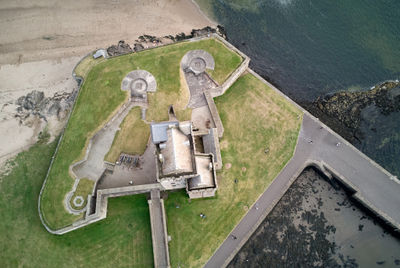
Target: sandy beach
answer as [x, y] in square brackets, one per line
[41, 42]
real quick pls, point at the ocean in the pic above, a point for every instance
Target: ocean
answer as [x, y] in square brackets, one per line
[312, 48]
[316, 224]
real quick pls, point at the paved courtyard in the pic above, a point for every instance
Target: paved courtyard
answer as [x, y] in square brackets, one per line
[126, 174]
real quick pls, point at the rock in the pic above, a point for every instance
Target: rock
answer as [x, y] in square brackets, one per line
[31, 101]
[170, 37]
[145, 40]
[54, 108]
[120, 49]
[342, 110]
[35, 104]
[36, 96]
[138, 47]
[149, 38]
[221, 31]
[203, 32]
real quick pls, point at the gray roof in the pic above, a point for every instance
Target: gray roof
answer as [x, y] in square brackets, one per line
[100, 53]
[177, 153]
[211, 145]
[159, 131]
[205, 177]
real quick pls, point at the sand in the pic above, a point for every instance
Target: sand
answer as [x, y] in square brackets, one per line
[41, 41]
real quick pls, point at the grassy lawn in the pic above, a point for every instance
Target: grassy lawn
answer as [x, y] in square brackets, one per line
[100, 97]
[132, 138]
[121, 240]
[255, 118]
[84, 188]
[86, 65]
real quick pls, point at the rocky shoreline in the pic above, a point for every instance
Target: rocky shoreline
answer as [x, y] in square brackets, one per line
[41, 113]
[146, 41]
[36, 104]
[37, 111]
[343, 110]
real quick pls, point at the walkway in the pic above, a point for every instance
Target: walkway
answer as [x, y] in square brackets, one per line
[319, 146]
[123, 175]
[158, 230]
[197, 84]
[93, 166]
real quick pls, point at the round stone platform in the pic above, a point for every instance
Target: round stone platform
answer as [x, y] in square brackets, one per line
[197, 61]
[139, 82]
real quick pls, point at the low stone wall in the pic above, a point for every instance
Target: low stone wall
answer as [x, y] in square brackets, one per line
[236, 74]
[357, 195]
[159, 237]
[79, 81]
[102, 203]
[214, 113]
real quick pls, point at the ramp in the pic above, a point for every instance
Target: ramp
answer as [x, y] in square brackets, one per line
[158, 230]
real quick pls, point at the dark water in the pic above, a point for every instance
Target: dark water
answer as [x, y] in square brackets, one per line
[309, 48]
[318, 225]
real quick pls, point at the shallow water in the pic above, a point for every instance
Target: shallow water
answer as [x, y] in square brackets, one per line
[311, 48]
[317, 225]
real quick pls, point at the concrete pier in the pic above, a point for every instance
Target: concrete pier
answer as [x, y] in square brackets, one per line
[319, 146]
[158, 230]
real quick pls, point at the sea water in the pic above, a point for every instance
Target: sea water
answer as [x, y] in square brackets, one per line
[309, 48]
[315, 47]
[316, 224]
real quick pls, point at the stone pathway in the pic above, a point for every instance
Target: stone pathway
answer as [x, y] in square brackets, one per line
[197, 85]
[321, 147]
[93, 167]
[194, 64]
[123, 175]
[158, 230]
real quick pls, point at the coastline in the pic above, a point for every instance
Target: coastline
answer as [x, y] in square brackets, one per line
[207, 16]
[41, 55]
[78, 28]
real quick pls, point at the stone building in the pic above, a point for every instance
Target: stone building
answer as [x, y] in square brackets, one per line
[179, 164]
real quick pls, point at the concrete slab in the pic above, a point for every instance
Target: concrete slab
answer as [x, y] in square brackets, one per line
[158, 230]
[145, 173]
[202, 118]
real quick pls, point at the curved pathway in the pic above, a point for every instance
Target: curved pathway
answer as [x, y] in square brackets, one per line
[319, 146]
[93, 166]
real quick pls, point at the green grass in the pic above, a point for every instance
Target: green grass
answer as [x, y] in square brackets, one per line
[132, 138]
[84, 188]
[86, 65]
[101, 96]
[121, 240]
[255, 118]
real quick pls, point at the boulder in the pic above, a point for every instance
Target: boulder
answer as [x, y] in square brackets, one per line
[120, 49]
[138, 47]
[54, 108]
[31, 101]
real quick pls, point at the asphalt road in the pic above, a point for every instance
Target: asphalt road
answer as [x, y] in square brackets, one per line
[318, 145]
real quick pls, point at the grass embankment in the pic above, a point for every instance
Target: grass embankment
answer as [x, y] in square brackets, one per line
[84, 188]
[255, 118]
[101, 96]
[121, 240]
[132, 138]
[86, 65]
